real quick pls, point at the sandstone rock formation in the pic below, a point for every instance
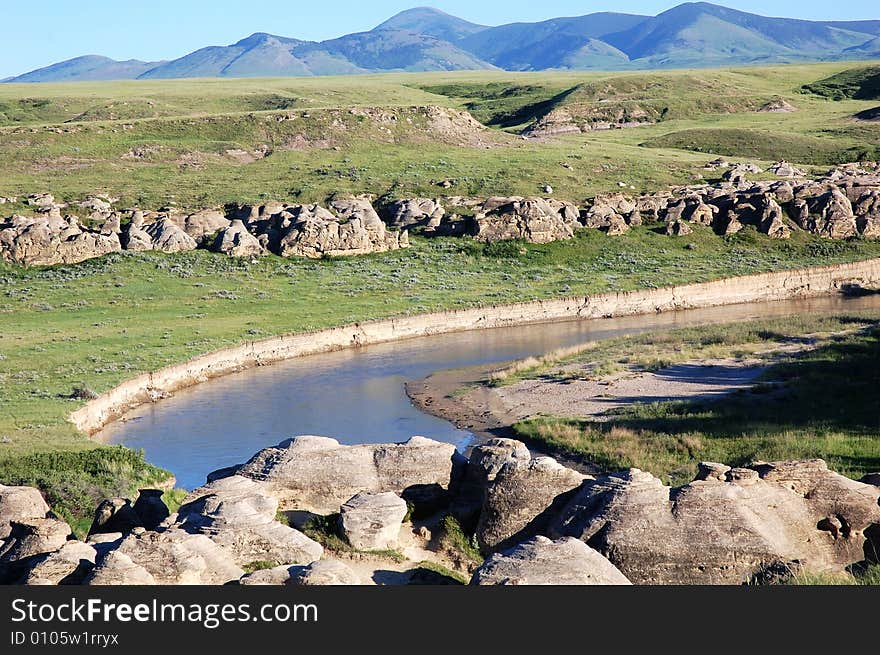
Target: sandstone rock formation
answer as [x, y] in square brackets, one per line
[415, 213]
[150, 508]
[238, 515]
[48, 239]
[67, 566]
[318, 474]
[202, 225]
[30, 537]
[541, 561]
[173, 557]
[522, 499]
[118, 569]
[535, 220]
[324, 573]
[236, 241]
[18, 504]
[372, 521]
[115, 515]
[726, 527]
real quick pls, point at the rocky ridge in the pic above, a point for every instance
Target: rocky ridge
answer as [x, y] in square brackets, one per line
[536, 521]
[842, 204]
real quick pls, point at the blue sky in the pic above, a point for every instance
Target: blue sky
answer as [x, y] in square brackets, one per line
[40, 33]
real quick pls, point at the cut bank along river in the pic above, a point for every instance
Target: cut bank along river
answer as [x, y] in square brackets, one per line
[358, 395]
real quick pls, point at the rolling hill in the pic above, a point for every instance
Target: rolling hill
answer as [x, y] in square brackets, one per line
[697, 34]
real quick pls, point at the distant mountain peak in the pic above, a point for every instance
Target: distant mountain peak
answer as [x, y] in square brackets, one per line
[431, 22]
[424, 38]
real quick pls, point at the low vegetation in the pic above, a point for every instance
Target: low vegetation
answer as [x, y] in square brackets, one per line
[74, 483]
[816, 403]
[855, 83]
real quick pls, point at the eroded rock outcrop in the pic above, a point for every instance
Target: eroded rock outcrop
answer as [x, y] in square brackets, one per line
[728, 526]
[318, 474]
[522, 499]
[18, 504]
[541, 561]
[238, 515]
[48, 239]
[69, 565]
[535, 220]
[171, 557]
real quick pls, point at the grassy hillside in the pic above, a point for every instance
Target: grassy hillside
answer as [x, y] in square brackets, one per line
[157, 142]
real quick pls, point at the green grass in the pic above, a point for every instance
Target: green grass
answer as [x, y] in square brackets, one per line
[454, 539]
[868, 577]
[74, 483]
[454, 576]
[77, 139]
[102, 322]
[855, 83]
[824, 406]
[766, 145]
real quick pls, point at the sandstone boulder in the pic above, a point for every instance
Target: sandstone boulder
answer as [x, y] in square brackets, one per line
[239, 515]
[522, 499]
[541, 561]
[236, 241]
[314, 232]
[202, 225]
[784, 169]
[176, 557]
[318, 474]
[115, 515]
[678, 228]
[415, 213]
[728, 526]
[19, 503]
[372, 521]
[535, 220]
[829, 215]
[30, 537]
[166, 236]
[326, 573]
[68, 566]
[150, 508]
[118, 569]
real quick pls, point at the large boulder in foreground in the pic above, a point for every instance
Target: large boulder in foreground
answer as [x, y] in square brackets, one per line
[68, 566]
[541, 561]
[522, 499]
[174, 557]
[238, 515]
[373, 521]
[118, 569]
[18, 503]
[535, 220]
[727, 527]
[318, 474]
[30, 537]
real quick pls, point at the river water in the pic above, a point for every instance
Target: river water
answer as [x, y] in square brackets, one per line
[358, 396]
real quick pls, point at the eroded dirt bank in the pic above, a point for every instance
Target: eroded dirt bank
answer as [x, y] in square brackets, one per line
[150, 387]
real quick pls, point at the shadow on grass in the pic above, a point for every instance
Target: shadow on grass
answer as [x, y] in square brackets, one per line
[834, 388]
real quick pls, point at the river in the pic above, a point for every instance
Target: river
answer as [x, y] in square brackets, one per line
[358, 396]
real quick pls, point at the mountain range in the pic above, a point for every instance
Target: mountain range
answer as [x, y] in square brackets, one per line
[426, 39]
